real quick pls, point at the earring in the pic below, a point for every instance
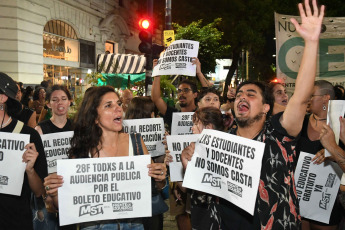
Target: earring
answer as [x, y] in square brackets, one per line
[324, 107]
[1, 107]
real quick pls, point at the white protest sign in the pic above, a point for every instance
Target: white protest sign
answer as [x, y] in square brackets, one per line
[176, 144]
[104, 188]
[317, 187]
[12, 168]
[336, 109]
[177, 59]
[151, 130]
[56, 146]
[182, 123]
[227, 166]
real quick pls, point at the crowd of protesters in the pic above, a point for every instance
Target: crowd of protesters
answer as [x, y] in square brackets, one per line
[254, 110]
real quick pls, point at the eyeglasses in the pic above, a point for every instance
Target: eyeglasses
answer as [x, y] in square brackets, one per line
[314, 95]
[184, 90]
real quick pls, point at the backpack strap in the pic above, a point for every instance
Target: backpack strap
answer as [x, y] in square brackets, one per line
[136, 142]
[19, 127]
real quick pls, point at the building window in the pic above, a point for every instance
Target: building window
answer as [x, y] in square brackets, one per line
[87, 54]
[109, 47]
[60, 28]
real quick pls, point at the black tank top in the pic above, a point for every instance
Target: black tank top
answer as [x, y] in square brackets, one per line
[47, 127]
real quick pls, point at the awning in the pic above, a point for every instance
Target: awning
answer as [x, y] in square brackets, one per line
[121, 63]
[120, 80]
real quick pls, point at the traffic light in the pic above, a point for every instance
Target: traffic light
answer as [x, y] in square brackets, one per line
[145, 35]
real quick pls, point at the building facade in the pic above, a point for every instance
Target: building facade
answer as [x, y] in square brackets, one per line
[59, 40]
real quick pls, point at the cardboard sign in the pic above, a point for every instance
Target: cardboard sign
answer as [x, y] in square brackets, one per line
[104, 188]
[182, 123]
[12, 168]
[176, 144]
[56, 146]
[317, 187]
[226, 166]
[152, 132]
[177, 59]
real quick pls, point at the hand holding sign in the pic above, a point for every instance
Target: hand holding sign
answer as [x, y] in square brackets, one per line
[51, 183]
[342, 129]
[157, 171]
[187, 154]
[327, 138]
[30, 156]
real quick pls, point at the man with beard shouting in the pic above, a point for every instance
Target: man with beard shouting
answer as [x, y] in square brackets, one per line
[276, 203]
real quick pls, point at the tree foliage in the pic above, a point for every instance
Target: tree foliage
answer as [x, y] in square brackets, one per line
[209, 38]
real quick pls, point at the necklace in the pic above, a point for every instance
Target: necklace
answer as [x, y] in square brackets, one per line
[238, 134]
[6, 123]
[316, 120]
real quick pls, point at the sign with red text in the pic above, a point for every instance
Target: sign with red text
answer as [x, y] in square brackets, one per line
[104, 188]
[12, 167]
[227, 166]
[317, 187]
[56, 146]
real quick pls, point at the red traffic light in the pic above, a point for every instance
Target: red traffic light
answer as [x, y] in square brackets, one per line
[144, 23]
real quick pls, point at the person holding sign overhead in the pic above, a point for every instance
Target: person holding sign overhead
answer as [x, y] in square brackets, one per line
[97, 133]
[276, 199]
[15, 211]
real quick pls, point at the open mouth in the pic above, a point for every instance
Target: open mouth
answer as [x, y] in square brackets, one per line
[118, 119]
[243, 107]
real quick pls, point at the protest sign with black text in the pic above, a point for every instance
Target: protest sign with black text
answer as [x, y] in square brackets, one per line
[317, 187]
[12, 167]
[227, 166]
[176, 144]
[151, 130]
[106, 188]
[56, 146]
[182, 123]
[177, 59]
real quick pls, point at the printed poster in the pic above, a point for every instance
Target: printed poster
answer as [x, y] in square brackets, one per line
[176, 144]
[317, 187]
[182, 123]
[56, 146]
[12, 168]
[177, 59]
[152, 132]
[104, 188]
[226, 166]
[290, 46]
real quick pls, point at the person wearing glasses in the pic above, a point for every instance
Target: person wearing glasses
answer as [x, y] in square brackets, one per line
[186, 94]
[309, 141]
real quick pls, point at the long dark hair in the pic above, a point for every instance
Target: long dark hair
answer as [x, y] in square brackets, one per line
[140, 107]
[37, 93]
[209, 115]
[87, 134]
